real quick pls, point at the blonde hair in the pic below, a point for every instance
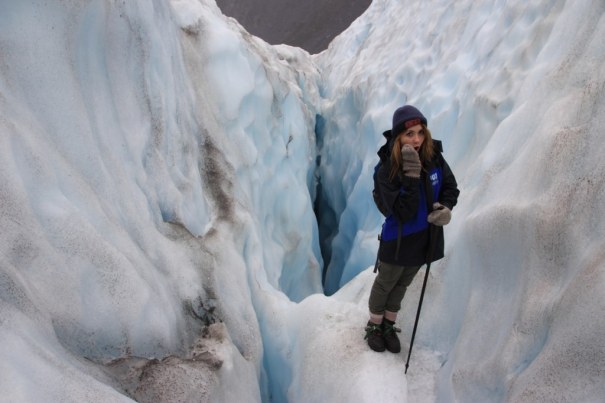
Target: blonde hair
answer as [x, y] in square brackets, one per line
[425, 153]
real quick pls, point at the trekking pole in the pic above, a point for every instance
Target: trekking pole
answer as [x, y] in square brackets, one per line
[433, 238]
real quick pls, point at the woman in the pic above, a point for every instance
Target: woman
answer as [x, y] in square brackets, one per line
[418, 189]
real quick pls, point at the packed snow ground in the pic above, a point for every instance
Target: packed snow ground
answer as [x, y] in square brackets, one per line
[158, 173]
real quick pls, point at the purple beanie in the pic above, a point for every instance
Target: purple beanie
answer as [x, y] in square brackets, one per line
[406, 117]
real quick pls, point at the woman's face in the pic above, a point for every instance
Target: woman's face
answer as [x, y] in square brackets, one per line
[413, 136]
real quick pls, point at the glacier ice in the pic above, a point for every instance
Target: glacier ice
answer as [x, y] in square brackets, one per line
[161, 170]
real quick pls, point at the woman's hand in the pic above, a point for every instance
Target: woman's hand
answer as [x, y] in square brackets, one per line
[410, 162]
[440, 215]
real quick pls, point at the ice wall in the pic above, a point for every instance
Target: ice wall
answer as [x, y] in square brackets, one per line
[156, 171]
[516, 92]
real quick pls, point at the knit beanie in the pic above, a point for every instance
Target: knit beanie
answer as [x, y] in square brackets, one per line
[406, 117]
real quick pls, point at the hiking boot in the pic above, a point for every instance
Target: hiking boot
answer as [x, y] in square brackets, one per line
[391, 341]
[374, 337]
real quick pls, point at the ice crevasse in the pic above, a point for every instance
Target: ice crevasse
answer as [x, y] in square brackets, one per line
[178, 197]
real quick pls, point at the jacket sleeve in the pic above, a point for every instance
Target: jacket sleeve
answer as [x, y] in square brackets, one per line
[449, 188]
[401, 195]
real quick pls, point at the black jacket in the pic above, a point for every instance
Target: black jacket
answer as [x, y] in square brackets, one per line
[405, 232]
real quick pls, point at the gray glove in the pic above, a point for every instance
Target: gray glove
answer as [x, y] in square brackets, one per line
[410, 162]
[440, 215]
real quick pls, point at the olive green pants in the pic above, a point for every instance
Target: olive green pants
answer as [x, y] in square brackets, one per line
[389, 287]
